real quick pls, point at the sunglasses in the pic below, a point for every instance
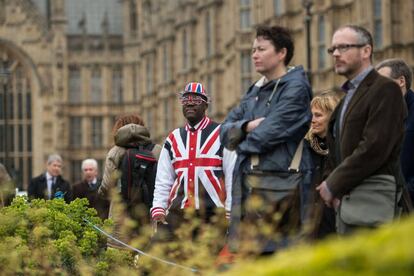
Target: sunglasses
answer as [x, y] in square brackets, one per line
[192, 100]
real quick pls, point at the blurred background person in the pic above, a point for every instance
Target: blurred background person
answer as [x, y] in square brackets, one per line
[400, 72]
[51, 184]
[322, 217]
[88, 188]
[6, 187]
[129, 130]
[4, 175]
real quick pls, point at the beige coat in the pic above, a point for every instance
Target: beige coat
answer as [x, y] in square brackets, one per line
[125, 136]
[6, 187]
[4, 176]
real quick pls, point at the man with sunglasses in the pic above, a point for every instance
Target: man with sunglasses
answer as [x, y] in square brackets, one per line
[194, 169]
[366, 129]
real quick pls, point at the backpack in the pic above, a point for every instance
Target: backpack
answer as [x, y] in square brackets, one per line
[138, 168]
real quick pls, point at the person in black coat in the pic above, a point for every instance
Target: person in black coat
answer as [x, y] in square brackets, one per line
[51, 184]
[88, 188]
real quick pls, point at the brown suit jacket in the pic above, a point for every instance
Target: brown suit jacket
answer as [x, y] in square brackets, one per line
[370, 140]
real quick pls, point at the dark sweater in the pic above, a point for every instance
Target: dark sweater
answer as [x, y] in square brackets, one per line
[407, 151]
[82, 190]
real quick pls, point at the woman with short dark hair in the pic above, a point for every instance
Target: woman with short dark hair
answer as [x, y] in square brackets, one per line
[267, 127]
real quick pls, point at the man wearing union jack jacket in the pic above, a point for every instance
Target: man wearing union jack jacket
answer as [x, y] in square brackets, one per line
[194, 169]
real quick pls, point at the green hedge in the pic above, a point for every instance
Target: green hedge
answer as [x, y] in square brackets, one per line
[388, 250]
[51, 237]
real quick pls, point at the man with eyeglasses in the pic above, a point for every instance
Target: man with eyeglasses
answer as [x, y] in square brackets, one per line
[366, 129]
[194, 169]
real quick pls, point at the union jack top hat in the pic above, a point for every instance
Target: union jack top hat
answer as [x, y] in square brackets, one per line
[196, 88]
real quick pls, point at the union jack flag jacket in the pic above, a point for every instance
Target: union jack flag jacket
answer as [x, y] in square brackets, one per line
[194, 170]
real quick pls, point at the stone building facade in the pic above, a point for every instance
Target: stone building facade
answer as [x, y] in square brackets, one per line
[77, 64]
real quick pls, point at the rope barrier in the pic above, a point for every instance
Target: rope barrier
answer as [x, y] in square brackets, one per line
[139, 251]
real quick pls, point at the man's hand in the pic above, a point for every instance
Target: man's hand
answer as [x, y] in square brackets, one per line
[325, 194]
[157, 218]
[336, 202]
[253, 124]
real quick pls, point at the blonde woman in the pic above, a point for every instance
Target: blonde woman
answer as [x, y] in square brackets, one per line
[322, 106]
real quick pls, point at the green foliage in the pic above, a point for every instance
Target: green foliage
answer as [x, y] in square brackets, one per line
[195, 245]
[51, 237]
[386, 251]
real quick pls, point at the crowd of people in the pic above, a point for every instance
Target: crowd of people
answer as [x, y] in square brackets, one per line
[325, 163]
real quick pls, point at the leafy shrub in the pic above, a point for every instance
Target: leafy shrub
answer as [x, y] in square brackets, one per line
[51, 237]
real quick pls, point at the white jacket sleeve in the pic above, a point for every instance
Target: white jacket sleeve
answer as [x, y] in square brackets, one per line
[163, 182]
[229, 159]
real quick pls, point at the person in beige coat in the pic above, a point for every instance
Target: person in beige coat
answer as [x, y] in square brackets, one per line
[128, 131]
[5, 187]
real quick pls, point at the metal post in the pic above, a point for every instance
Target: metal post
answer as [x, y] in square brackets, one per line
[307, 4]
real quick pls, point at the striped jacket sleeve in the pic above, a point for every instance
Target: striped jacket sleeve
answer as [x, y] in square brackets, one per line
[163, 182]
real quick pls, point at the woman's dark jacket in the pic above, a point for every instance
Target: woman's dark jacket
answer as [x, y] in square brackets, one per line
[321, 217]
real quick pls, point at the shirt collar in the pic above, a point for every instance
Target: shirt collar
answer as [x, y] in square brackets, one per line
[49, 176]
[201, 125]
[355, 82]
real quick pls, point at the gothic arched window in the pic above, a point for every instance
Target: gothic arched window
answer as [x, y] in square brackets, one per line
[15, 119]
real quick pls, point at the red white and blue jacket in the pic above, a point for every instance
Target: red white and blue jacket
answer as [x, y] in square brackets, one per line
[194, 170]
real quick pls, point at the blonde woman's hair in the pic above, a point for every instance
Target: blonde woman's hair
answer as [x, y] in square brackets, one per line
[325, 102]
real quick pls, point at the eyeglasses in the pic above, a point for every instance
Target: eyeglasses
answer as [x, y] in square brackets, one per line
[342, 48]
[192, 100]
